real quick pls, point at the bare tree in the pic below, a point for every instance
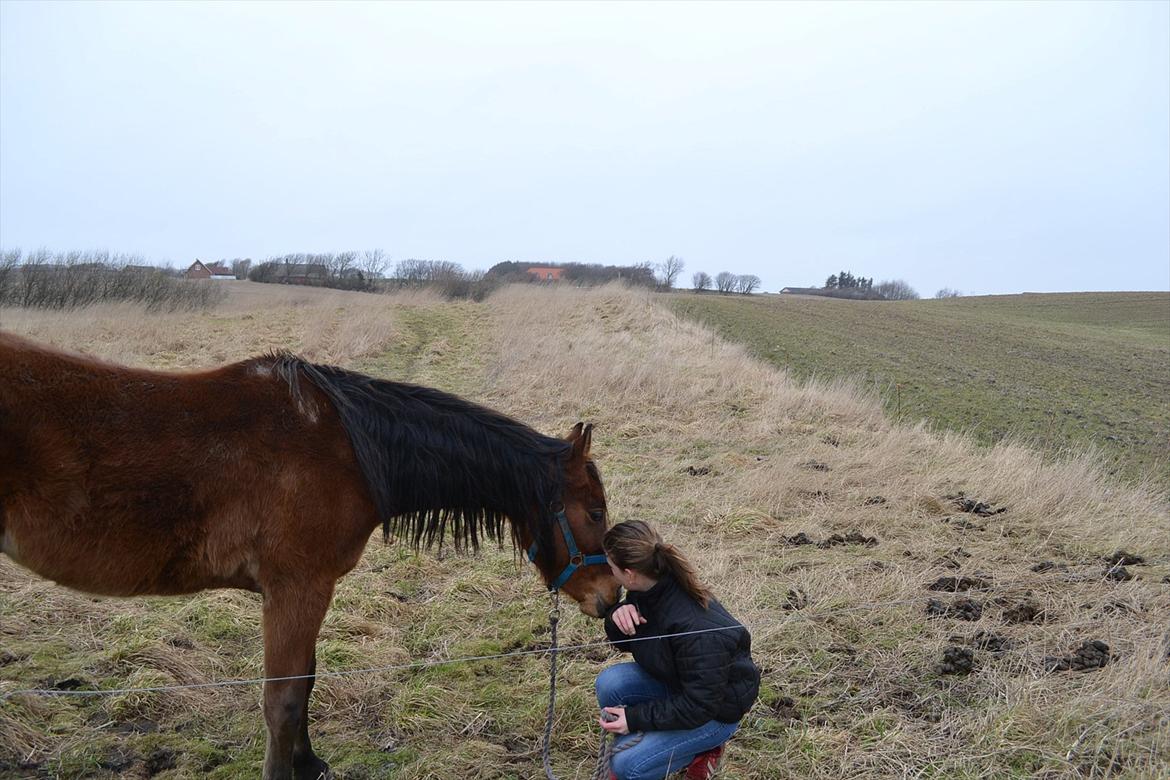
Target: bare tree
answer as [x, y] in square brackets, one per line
[645, 269]
[725, 281]
[71, 279]
[947, 292]
[241, 267]
[373, 263]
[896, 290]
[342, 264]
[410, 272]
[413, 273]
[9, 261]
[701, 281]
[746, 283]
[668, 271]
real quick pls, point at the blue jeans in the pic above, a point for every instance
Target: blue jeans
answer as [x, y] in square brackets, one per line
[660, 752]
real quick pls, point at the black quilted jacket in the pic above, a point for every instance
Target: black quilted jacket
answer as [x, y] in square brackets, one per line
[711, 675]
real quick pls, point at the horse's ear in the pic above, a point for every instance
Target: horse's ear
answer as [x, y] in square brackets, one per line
[582, 442]
[576, 432]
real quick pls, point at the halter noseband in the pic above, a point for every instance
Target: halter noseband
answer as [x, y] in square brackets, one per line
[576, 559]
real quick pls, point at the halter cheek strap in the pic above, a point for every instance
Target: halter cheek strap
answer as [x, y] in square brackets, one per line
[576, 559]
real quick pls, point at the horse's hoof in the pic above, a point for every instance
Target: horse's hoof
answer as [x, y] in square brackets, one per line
[313, 769]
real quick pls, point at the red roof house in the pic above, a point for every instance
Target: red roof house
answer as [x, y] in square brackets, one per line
[216, 271]
[546, 273]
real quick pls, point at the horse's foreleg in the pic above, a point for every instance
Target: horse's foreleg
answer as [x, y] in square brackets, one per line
[302, 749]
[292, 618]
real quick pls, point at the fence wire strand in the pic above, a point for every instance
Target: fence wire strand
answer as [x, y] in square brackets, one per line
[809, 612]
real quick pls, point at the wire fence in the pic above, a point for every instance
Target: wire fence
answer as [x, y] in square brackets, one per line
[808, 612]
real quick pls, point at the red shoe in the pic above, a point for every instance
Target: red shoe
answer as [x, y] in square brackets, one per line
[612, 776]
[703, 766]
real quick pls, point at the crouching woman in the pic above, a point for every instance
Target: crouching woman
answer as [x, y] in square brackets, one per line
[683, 696]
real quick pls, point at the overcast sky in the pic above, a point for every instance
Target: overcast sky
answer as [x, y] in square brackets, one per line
[993, 148]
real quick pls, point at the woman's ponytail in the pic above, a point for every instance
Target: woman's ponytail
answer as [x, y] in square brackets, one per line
[685, 573]
[635, 545]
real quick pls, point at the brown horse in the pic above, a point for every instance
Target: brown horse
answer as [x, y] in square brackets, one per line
[270, 475]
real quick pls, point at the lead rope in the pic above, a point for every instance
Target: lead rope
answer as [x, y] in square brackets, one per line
[606, 750]
[554, 618]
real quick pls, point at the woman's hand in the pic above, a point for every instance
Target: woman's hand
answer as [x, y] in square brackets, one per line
[618, 724]
[627, 619]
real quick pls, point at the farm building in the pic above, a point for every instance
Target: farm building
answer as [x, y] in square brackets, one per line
[546, 273]
[213, 271]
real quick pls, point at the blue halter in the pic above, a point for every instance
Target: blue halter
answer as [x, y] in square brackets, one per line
[576, 559]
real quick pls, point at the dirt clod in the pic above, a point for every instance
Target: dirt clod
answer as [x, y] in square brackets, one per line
[993, 643]
[785, 709]
[1024, 611]
[1117, 573]
[1044, 566]
[853, 537]
[959, 584]
[698, 471]
[962, 524]
[978, 508]
[1123, 558]
[117, 759]
[160, 760]
[135, 726]
[1092, 654]
[959, 609]
[795, 599]
[956, 660]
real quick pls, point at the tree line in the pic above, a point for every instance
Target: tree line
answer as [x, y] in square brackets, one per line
[847, 281]
[725, 282]
[64, 280]
[372, 271]
[663, 276]
[845, 284]
[581, 274]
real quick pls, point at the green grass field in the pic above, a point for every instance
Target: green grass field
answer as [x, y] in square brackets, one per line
[1061, 370]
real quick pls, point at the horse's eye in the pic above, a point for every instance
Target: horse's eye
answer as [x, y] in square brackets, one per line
[598, 515]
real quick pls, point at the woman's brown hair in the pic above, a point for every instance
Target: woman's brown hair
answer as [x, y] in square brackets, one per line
[635, 545]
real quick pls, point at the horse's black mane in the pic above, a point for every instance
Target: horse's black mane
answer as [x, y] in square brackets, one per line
[436, 463]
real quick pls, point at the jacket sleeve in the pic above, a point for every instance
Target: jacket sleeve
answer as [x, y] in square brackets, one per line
[613, 633]
[703, 662]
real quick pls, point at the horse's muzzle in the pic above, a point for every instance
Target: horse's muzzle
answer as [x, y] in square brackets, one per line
[595, 607]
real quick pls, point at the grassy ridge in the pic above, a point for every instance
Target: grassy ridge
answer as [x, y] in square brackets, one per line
[1060, 370]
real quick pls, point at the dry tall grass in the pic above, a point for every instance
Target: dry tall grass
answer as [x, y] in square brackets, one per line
[730, 458]
[786, 458]
[324, 325]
